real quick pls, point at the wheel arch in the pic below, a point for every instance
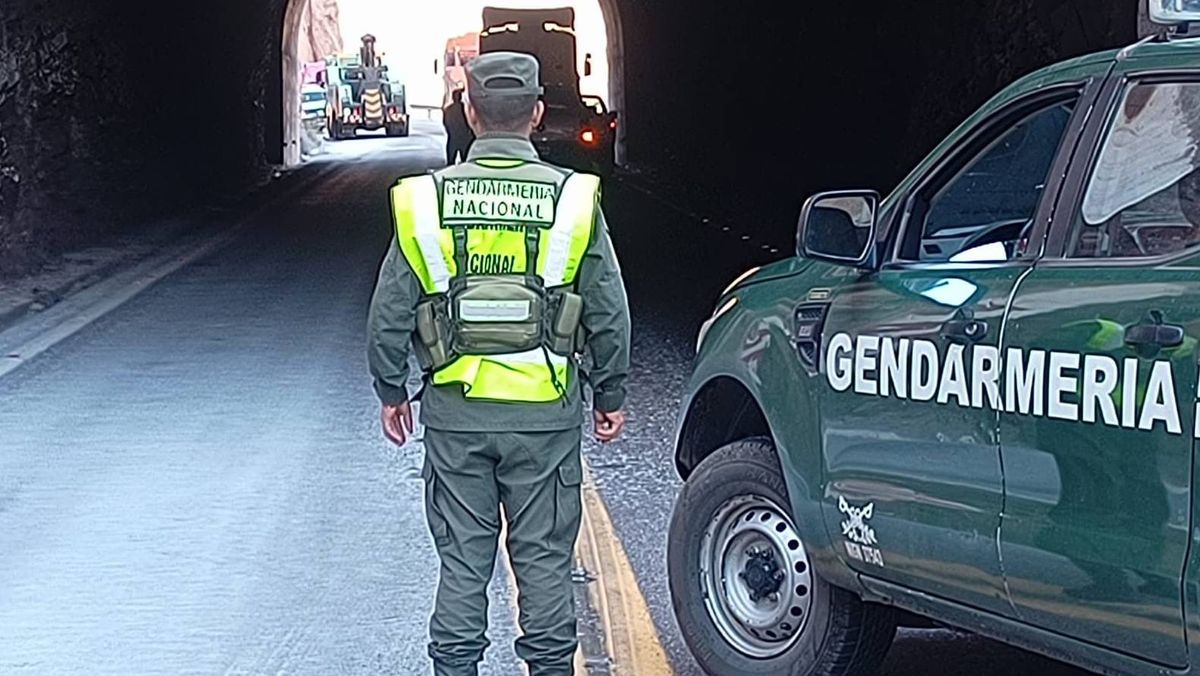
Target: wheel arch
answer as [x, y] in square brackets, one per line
[723, 410]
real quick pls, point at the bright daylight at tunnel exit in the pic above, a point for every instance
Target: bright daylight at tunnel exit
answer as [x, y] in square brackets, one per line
[369, 66]
[599, 338]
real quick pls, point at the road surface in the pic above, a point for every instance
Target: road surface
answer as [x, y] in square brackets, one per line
[194, 482]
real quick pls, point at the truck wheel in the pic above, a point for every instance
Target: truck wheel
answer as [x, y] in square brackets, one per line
[746, 597]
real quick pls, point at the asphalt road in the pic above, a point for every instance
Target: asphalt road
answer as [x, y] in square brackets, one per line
[195, 483]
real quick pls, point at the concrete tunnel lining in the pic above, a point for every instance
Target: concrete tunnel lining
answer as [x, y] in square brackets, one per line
[290, 90]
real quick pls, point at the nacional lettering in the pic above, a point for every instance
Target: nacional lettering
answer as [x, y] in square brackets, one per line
[491, 264]
[1091, 388]
[498, 200]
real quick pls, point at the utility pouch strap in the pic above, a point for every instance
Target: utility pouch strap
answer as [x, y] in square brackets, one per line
[433, 337]
[460, 255]
[533, 240]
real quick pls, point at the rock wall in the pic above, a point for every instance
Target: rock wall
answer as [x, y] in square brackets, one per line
[113, 111]
[68, 147]
[762, 108]
[1014, 37]
[320, 30]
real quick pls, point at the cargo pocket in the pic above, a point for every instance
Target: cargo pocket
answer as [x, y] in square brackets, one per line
[433, 515]
[568, 507]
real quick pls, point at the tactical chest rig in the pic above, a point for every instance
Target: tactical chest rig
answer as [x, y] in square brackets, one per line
[498, 252]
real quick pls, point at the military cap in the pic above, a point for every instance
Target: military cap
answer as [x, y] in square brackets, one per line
[503, 74]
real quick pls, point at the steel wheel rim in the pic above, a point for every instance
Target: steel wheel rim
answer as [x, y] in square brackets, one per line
[748, 538]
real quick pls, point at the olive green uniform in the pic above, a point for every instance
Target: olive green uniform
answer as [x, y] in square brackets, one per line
[481, 455]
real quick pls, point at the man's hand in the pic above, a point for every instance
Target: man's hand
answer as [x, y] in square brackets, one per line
[608, 425]
[397, 423]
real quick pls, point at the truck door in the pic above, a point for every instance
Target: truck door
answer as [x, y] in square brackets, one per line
[914, 482]
[1101, 361]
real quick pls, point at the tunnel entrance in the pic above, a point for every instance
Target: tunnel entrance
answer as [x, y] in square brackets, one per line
[421, 42]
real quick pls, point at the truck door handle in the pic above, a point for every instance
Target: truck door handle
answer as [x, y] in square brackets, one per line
[1154, 335]
[964, 330]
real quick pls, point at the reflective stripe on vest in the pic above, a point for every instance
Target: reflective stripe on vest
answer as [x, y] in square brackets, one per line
[562, 251]
[429, 250]
[420, 233]
[522, 377]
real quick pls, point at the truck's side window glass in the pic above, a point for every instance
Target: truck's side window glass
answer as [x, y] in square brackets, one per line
[982, 209]
[1143, 198]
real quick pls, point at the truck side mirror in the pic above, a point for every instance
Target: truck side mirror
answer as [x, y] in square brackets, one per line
[587, 65]
[839, 227]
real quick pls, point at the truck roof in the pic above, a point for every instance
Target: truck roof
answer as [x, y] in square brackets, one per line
[496, 16]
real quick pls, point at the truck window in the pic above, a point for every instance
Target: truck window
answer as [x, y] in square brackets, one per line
[1143, 197]
[981, 210]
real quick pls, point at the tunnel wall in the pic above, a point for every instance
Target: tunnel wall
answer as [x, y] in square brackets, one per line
[113, 110]
[63, 127]
[812, 96]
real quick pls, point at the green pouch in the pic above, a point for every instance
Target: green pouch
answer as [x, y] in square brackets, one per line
[497, 315]
[563, 338]
[432, 344]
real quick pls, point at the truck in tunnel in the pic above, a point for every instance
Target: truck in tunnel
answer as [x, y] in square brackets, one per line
[572, 132]
[363, 93]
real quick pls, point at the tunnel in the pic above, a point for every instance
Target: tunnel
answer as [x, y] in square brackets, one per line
[196, 469]
[112, 113]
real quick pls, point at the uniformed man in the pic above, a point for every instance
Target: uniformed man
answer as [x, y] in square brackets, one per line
[504, 282]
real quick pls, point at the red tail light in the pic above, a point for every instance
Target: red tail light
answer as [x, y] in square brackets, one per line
[613, 124]
[588, 136]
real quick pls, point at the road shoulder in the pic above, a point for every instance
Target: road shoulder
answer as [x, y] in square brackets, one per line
[627, 635]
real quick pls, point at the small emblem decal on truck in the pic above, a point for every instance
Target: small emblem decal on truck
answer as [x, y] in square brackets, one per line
[860, 536]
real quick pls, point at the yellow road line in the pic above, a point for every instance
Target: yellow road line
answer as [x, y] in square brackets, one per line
[631, 639]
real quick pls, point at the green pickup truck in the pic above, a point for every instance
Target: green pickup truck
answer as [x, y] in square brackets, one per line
[974, 402]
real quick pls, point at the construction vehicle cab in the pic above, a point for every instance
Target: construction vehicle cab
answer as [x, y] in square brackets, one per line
[363, 95]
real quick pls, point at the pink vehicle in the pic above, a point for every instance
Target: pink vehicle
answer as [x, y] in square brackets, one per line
[313, 73]
[459, 52]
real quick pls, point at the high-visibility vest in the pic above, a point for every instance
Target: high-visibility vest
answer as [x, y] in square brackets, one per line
[495, 202]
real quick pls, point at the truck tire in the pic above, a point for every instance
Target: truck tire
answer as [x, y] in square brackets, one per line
[775, 616]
